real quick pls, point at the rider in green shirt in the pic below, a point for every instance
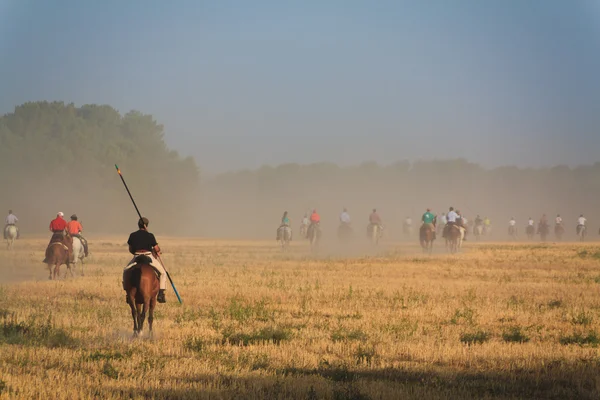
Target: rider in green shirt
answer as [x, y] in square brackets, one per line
[429, 220]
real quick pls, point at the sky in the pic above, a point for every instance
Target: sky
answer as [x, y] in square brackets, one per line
[239, 84]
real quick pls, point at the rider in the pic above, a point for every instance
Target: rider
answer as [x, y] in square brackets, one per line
[486, 222]
[558, 219]
[304, 227]
[58, 227]
[144, 242]
[345, 217]
[11, 220]
[512, 223]
[429, 221]
[530, 222]
[74, 228]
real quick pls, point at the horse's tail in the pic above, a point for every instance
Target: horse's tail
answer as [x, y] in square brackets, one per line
[135, 277]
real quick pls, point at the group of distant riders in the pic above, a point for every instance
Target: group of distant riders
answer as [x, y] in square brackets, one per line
[441, 223]
[429, 220]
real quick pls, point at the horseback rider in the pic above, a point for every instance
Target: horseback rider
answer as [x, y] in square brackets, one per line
[11, 220]
[285, 223]
[142, 242]
[345, 217]
[512, 222]
[581, 223]
[462, 222]
[478, 221]
[58, 227]
[429, 220]
[543, 225]
[74, 228]
[530, 222]
[451, 218]
[315, 218]
[374, 218]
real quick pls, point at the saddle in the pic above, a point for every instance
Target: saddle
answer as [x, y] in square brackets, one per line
[143, 259]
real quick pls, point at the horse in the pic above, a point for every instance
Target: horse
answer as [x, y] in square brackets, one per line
[581, 232]
[478, 231]
[530, 231]
[543, 230]
[427, 236]
[78, 253]
[374, 233]
[344, 232]
[454, 238]
[559, 230]
[141, 284]
[284, 235]
[10, 233]
[512, 232]
[57, 254]
[314, 235]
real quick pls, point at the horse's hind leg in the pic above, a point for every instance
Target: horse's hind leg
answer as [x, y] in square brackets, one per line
[141, 315]
[151, 314]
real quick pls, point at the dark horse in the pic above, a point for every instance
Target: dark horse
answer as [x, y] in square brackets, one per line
[141, 284]
[314, 235]
[427, 236]
[543, 230]
[57, 254]
[559, 230]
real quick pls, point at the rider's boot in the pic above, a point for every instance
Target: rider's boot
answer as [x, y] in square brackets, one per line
[161, 296]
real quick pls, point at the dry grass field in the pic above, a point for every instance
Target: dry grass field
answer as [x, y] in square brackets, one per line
[497, 321]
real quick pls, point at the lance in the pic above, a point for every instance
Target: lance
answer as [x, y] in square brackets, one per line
[140, 215]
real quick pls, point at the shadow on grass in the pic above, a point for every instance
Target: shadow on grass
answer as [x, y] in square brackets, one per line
[557, 380]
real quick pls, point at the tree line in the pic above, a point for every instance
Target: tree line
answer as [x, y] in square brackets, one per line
[59, 157]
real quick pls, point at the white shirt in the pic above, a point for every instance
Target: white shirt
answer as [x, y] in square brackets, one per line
[451, 217]
[345, 218]
[408, 221]
[581, 220]
[530, 222]
[11, 219]
[558, 220]
[305, 221]
[512, 222]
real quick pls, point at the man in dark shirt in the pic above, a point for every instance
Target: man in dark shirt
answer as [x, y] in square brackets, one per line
[144, 242]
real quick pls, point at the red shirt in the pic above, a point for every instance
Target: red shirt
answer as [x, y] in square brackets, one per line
[58, 224]
[315, 218]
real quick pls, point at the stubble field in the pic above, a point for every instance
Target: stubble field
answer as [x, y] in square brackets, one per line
[497, 321]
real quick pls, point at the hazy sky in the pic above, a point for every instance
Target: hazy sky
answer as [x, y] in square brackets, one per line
[239, 84]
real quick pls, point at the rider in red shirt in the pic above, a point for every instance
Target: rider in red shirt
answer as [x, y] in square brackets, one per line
[58, 224]
[315, 218]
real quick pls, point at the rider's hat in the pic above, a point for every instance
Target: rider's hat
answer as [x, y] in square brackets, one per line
[60, 214]
[74, 217]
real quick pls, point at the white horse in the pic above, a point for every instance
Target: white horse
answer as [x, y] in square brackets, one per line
[78, 253]
[284, 236]
[375, 232]
[11, 235]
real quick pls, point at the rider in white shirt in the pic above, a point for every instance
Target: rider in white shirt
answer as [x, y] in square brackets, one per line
[558, 219]
[512, 222]
[582, 220]
[345, 217]
[530, 222]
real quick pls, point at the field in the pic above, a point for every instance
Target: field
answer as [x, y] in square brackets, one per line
[497, 321]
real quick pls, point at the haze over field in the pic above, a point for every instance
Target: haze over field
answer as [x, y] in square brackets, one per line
[239, 85]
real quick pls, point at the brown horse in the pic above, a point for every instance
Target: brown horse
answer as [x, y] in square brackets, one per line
[57, 254]
[427, 235]
[141, 284]
[454, 237]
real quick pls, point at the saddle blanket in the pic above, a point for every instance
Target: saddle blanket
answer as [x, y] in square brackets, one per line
[146, 258]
